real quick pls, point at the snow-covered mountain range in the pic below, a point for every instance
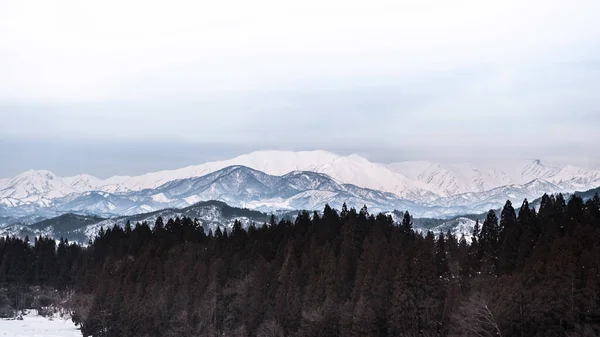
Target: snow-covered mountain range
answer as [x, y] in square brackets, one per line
[239, 186]
[270, 180]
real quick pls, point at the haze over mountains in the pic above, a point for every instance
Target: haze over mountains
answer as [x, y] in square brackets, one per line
[272, 180]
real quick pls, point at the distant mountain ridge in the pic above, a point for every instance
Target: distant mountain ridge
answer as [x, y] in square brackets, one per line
[212, 214]
[433, 189]
[238, 186]
[81, 228]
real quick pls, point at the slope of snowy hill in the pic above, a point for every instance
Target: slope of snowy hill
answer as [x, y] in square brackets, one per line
[34, 325]
[81, 228]
[458, 227]
[209, 214]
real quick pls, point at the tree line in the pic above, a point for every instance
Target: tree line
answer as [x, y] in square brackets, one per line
[337, 273]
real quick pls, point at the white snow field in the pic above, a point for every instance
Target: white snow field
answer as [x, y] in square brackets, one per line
[33, 325]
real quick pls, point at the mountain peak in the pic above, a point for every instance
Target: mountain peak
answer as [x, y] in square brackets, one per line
[276, 153]
[35, 186]
[36, 173]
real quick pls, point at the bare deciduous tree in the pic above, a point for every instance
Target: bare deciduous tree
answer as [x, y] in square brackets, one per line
[474, 318]
[270, 328]
[80, 306]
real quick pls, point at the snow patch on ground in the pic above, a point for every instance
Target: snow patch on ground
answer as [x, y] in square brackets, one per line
[33, 325]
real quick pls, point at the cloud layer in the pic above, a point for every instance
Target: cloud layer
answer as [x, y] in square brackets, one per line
[393, 80]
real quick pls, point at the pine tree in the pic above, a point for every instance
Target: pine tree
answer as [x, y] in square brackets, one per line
[529, 233]
[441, 257]
[489, 241]
[463, 257]
[574, 214]
[128, 227]
[323, 276]
[344, 212]
[407, 224]
[509, 239]
[595, 206]
[364, 212]
[403, 302]
[477, 230]
[560, 210]
[364, 323]
[428, 290]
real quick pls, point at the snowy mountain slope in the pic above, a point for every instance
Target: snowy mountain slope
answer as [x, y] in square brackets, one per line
[564, 176]
[81, 228]
[351, 169]
[35, 187]
[210, 215]
[515, 193]
[458, 227]
[581, 182]
[452, 179]
[64, 226]
[83, 182]
[270, 162]
[245, 187]
[435, 188]
[65, 222]
[419, 181]
[238, 186]
[455, 179]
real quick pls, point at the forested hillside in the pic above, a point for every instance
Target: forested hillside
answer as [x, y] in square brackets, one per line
[347, 273]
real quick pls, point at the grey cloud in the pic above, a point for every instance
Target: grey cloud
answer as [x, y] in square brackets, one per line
[132, 98]
[465, 114]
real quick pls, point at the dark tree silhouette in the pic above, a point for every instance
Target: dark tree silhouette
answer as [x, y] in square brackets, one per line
[330, 274]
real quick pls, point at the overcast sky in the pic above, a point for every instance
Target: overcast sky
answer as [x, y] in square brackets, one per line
[126, 87]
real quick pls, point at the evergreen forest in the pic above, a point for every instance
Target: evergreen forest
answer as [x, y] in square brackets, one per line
[343, 273]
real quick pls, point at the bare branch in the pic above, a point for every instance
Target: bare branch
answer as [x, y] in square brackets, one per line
[475, 319]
